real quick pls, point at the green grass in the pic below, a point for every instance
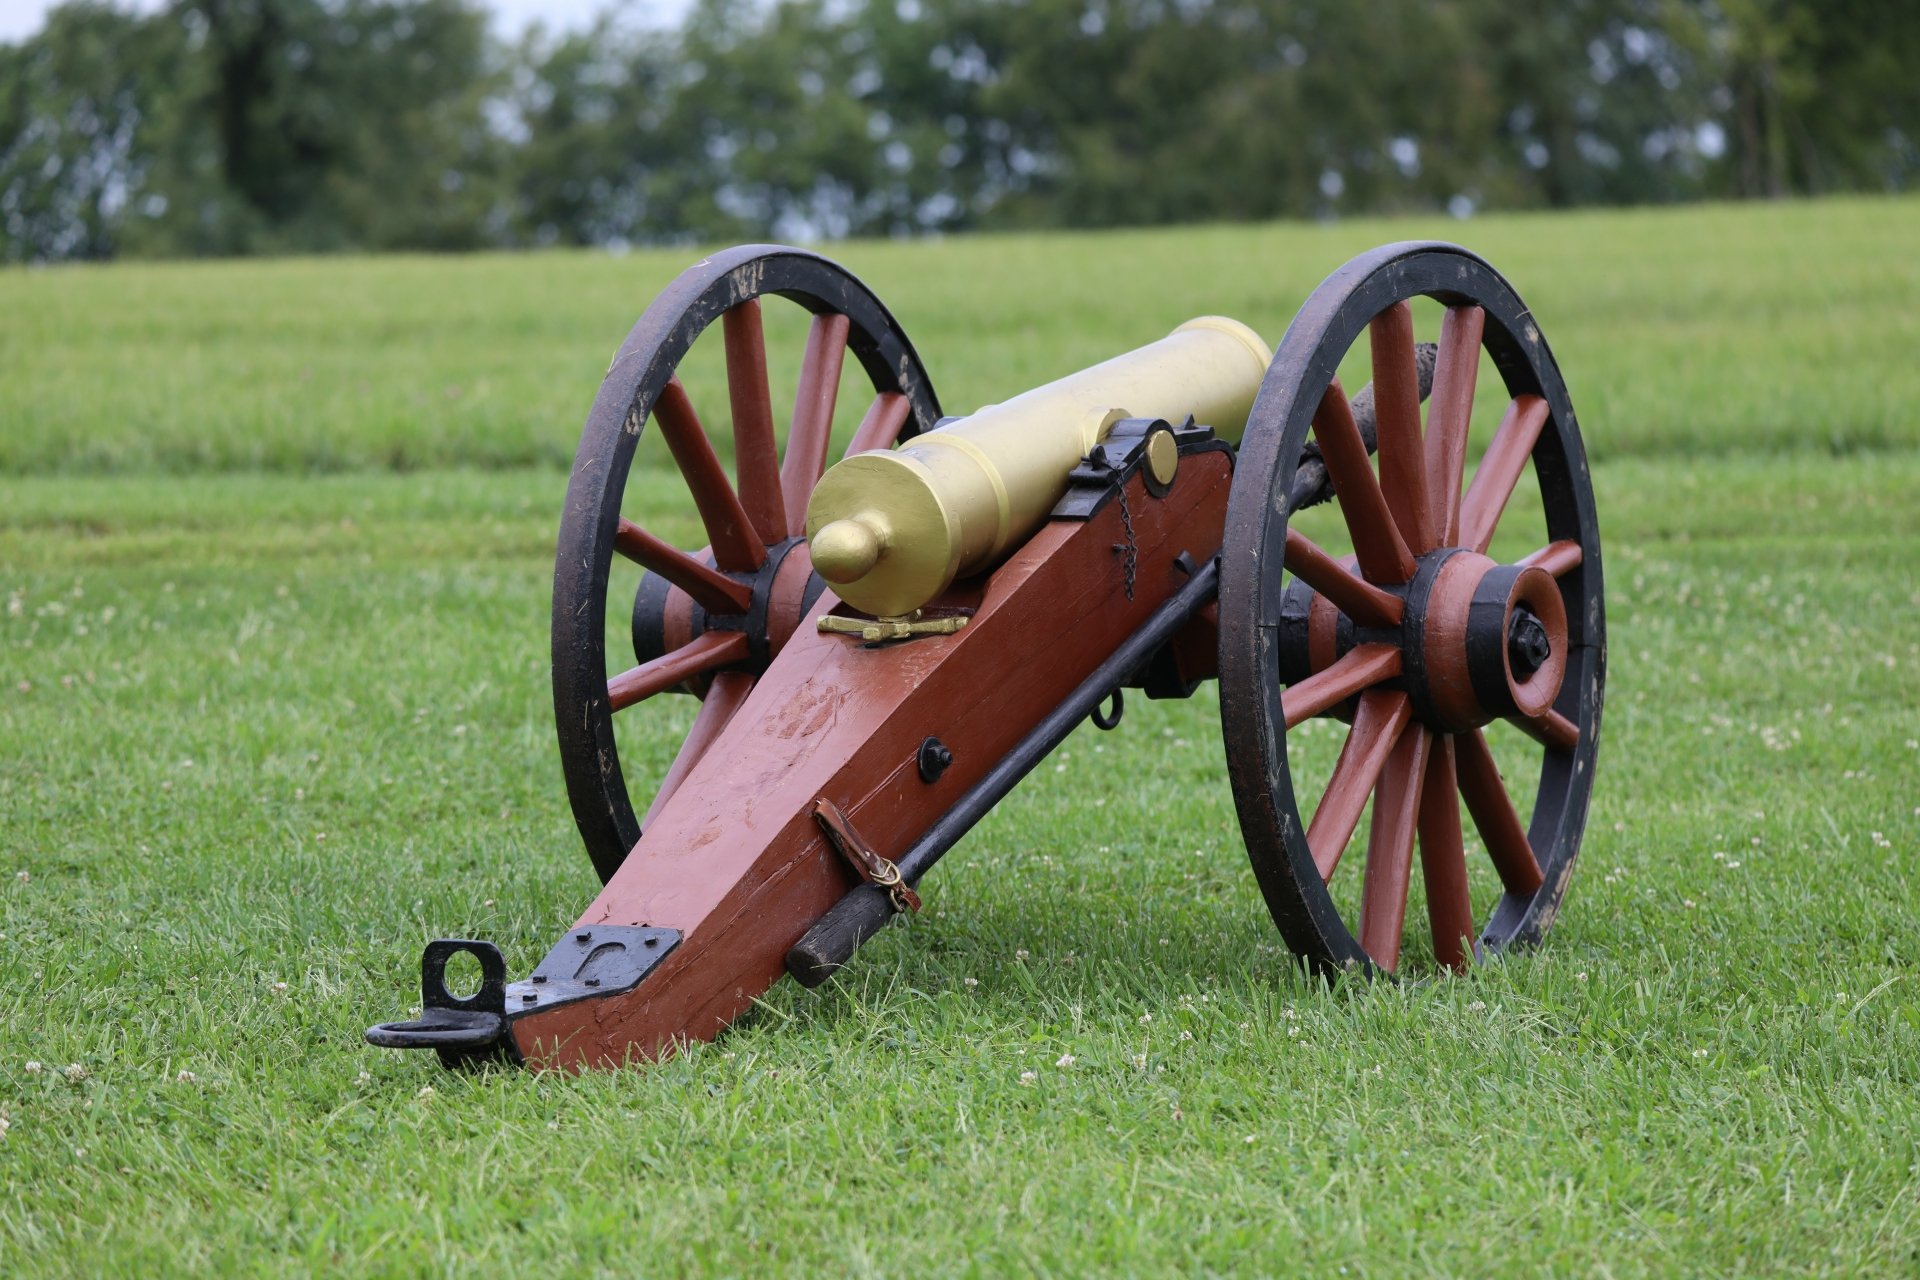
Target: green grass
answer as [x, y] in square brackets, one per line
[261, 729]
[1690, 331]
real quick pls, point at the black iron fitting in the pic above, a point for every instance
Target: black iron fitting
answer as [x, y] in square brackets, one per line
[1528, 646]
[1098, 479]
[468, 1031]
[933, 758]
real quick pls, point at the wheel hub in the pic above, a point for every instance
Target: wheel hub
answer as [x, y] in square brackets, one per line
[1481, 640]
[784, 588]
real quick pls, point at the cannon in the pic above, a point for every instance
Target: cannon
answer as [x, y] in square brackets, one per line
[882, 649]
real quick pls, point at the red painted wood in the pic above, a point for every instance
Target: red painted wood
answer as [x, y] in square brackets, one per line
[1396, 806]
[1378, 723]
[1443, 861]
[1557, 558]
[1363, 667]
[1500, 469]
[1494, 816]
[1552, 730]
[881, 427]
[1396, 403]
[728, 690]
[730, 530]
[715, 592]
[1449, 413]
[756, 454]
[1359, 599]
[812, 427]
[704, 653]
[1381, 551]
[734, 859]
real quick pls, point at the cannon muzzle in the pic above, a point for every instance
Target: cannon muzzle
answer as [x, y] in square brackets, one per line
[891, 529]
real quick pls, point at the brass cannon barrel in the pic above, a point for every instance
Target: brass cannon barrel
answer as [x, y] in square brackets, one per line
[891, 529]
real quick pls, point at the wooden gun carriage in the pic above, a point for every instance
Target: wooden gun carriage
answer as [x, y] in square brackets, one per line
[883, 649]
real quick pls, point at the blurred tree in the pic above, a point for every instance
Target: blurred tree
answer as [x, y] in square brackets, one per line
[73, 126]
[1819, 97]
[236, 126]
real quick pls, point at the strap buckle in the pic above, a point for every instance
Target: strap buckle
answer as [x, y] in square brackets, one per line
[867, 864]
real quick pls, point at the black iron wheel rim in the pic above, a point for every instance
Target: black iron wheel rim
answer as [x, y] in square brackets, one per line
[639, 371]
[1252, 584]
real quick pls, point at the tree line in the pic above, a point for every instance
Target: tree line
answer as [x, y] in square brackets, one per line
[213, 127]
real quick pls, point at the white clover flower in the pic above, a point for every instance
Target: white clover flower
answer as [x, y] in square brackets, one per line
[1028, 1077]
[1065, 1061]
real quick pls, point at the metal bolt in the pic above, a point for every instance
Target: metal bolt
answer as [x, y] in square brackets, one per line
[933, 758]
[539, 978]
[1528, 646]
[583, 936]
[528, 998]
[593, 982]
[653, 942]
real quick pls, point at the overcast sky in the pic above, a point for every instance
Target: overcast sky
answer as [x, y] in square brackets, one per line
[21, 18]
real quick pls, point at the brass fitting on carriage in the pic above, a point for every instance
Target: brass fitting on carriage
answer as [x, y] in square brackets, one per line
[892, 529]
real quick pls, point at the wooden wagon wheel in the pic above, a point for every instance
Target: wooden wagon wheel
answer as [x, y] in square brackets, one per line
[1420, 639]
[708, 621]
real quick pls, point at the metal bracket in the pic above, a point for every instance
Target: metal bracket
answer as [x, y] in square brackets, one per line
[592, 960]
[882, 630]
[1133, 444]
[465, 1031]
[468, 1031]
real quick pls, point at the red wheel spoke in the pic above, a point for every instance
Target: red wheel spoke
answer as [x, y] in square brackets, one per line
[1377, 543]
[1552, 730]
[1360, 600]
[701, 654]
[1443, 861]
[1396, 403]
[1377, 725]
[1449, 412]
[1363, 667]
[756, 454]
[1556, 558]
[1500, 470]
[812, 425]
[881, 427]
[724, 696]
[1494, 817]
[713, 590]
[1396, 806]
[729, 529]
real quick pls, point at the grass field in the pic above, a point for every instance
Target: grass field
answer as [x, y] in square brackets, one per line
[276, 540]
